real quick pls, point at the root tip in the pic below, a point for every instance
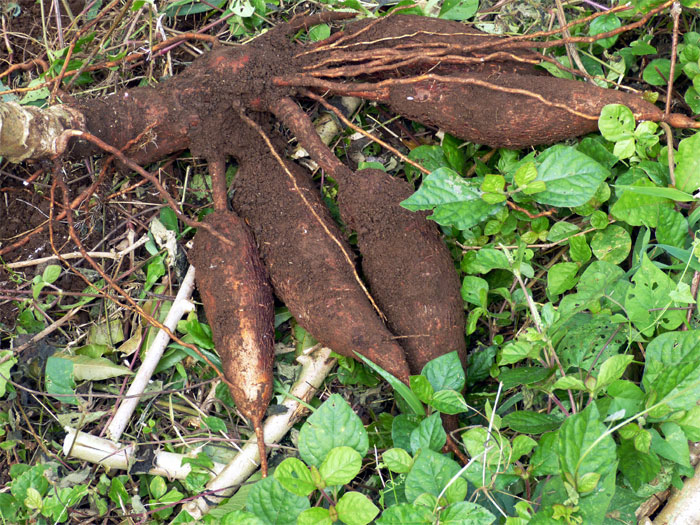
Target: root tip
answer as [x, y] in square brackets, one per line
[260, 435]
[678, 120]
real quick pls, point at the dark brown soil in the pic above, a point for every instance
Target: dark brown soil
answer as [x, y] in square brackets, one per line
[22, 211]
[408, 267]
[26, 27]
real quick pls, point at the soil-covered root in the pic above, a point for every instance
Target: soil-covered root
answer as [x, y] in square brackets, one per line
[309, 263]
[407, 265]
[511, 110]
[239, 304]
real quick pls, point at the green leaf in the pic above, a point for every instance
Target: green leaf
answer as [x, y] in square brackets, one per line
[477, 439]
[454, 153]
[398, 460]
[588, 482]
[294, 476]
[603, 24]
[405, 513]
[33, 499]
[562, 277]
[626, 396]
[493, 183]
[484, 260]
[430, 473]
[586, 340]
[612, 369]
[616, 122]
[429, 434]
[522, 445]
[672, 229]
[333, 424]
[647, 302]
[466, 513]
[612, 244]
[529, 422]
[449, 402]
[399, 387]
[658, 71]
[431, 158]
[569, 383]
[526, 375]
[599, 220]
[59, 379]
[51, 273]
[445, 372]
[690, 423]
[594, 148]
[457, 491]
[319, 32]
[94, 368]
[525, 174]
[669, 352]
[640, 204]
[585, 445]
[474, 290]
[421, 387]
[688, 164]
[401, 428]
[692, 98]
[356, 509]
[458, 9]
[562, 230]
[117, 492]
[454, 201]
[515, 352]
[315, 516]
[677, 388]
[270, 502]
[624, 148]
[158, 487]
[5, 369]
[579, 249]
[169, 219]
[215, 424]
[674, 445]
[572, 177]
[545, 459]
[638, 467]
[238, 517]
[341, 466]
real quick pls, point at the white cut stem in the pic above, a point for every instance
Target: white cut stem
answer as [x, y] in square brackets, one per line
[180, 307]
[78, 255]
[315, 368]
[683, 507]
[118, 456]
